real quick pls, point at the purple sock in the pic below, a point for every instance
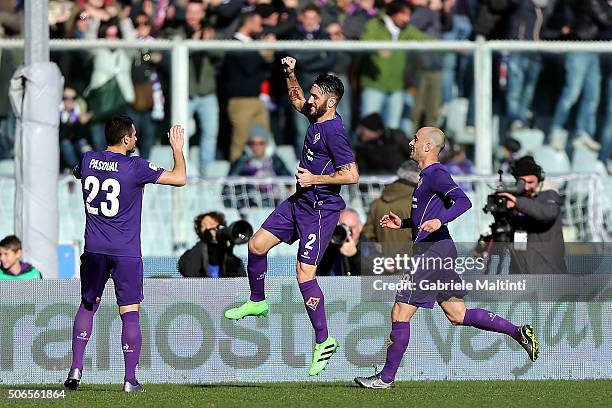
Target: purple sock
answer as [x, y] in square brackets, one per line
[485, 320]
[257, 267]
[398, 343]
[131, 340]
[313, 299]
[81, 333]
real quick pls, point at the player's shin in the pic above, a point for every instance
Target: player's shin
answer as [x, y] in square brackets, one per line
[257, 267]
[81, 332]
[398, 343]
[131, 341]
[485, 320]
[314, 302]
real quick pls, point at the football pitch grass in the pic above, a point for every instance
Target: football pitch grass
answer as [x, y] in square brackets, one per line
[421, 394]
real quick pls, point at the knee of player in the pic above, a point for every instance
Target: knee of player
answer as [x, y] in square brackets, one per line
[256, 247]
[455, 319]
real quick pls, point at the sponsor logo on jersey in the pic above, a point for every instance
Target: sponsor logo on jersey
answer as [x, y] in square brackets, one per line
[313, 302]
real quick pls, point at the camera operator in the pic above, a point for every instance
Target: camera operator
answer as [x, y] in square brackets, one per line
[536, 222]
[211, 257]
[342, 256]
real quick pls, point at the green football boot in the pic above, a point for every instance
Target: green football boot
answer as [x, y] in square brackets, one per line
[250, 308]
[322, 354]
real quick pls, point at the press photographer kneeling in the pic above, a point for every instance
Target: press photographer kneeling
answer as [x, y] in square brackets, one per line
[212, 256]
[533, 220]
[343, 255]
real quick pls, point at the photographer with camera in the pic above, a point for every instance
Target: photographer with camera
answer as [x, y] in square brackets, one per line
[342, 256]
[534, 218]
[212, 256]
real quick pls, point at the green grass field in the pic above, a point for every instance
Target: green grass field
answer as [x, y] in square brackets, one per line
[422, 394]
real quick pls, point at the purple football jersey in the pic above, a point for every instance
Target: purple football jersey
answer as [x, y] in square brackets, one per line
[436, 196]
[113, 186]
[326, 149]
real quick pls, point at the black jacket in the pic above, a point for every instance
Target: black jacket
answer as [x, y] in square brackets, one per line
[194, 263]
[540, 217]
[383, 155]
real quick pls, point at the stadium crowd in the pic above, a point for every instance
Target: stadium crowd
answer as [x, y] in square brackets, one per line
[230, 92]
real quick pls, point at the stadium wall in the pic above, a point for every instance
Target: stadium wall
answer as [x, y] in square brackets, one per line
[187, 339]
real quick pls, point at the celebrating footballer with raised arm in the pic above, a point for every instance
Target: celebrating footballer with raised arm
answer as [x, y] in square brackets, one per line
[436, 201]
[113, 185]
[312, 212]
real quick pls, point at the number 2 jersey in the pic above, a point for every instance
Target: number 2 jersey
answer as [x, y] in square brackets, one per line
[113, 186]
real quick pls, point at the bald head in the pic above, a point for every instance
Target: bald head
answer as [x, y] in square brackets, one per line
[436, 136]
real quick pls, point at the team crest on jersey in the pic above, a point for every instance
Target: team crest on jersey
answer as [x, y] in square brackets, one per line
[389, 342]
[153, 167]
[420, 182]
[313, 302]
[316, 138]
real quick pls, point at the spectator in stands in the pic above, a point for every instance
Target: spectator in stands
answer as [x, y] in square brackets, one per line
[459, 164]
[281, 24]
[210, 258]
[606, 129]
[148, 105]
[342, 67]
[203, 65]
[396, 198]
[383, 72]
[11, 266]
[582, 75]
[379, 150]
[258, 160]
[73, 130]
[454, 63]
[342, 258]
[507, 153]
[312, 63]
[243, 74]
[109, 65]
[8, 65]
[428, 16]
[60, 12]
[525, 24]
[349, 14]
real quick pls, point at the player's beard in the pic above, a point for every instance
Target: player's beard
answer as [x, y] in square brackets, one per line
[319, 112]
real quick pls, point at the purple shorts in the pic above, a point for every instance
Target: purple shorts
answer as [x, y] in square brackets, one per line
[126, 272]
[295, 219]
[434, 272]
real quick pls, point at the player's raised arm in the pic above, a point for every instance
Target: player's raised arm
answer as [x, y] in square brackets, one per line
[346, 174]
[178, 175]
[296, 95]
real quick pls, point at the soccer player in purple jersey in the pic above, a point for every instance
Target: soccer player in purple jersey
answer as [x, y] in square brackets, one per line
[436, 201]
[113, 185]
[312, 213]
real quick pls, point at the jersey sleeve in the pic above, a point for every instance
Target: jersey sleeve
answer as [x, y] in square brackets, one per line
[446, 187]
[146, 172]
[339, 149]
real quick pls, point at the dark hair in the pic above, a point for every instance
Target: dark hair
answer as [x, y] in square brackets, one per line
[11, 242]
[116, 128]
[246, 17]
[311, 7]
[105, 26]
[215, 215]
[330, 84]
[397, 6]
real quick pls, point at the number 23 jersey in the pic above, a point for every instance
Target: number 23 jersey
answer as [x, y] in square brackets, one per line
[113, 186]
